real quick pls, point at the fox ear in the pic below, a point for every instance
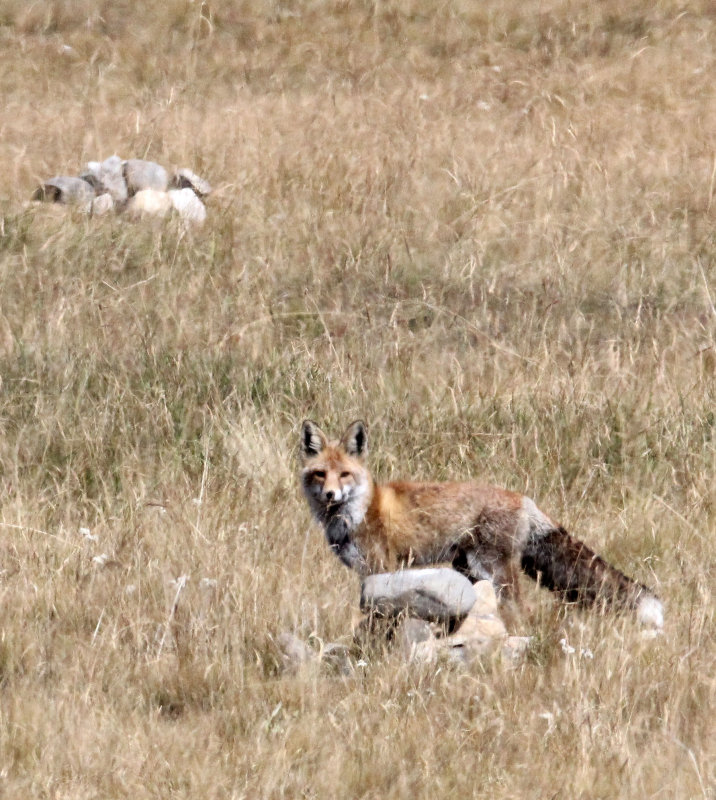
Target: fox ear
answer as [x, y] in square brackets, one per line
[355, 439]
[313, 440]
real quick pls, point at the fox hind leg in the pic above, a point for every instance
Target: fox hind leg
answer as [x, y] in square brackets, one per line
[485, 564]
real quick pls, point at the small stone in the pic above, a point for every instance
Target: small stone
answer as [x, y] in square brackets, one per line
[140, 175]
[65, 190]
[438, 595]
[102, 205]
[410, 633]
[149, 203]
[188, 205]
[107, 178]
[186, 179]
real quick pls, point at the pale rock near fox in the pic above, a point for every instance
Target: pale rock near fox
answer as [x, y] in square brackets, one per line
[485, 532]
[441, 595]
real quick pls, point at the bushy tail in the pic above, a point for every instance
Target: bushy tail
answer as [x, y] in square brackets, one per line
[567, 566]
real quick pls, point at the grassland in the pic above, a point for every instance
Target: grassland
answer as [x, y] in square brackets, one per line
[489, 229]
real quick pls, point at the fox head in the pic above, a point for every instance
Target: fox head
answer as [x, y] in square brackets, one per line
[334, 476]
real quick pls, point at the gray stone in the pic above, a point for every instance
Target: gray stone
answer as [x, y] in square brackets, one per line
[440, 594]
[374, 631]
[65, 190]
[141, 175]
[186, 179]
[107, 177]
[188, 205]
[411, 633]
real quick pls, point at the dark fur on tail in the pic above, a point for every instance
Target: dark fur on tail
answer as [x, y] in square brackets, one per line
[568, 567]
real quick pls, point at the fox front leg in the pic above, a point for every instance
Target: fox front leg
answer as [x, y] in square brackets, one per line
[338, 535]
[351, 556]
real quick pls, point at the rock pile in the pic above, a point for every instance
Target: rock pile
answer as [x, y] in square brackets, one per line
[441, 615]
[429, 615]
[134, 187]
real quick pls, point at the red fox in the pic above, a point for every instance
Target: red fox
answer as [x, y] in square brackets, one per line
[485, 532]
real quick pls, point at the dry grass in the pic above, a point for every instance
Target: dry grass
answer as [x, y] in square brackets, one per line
[488, 228]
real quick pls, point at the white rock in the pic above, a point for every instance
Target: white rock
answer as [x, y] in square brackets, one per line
[486, 599]
[188, 205]
[102, 204]
[485, 627]
[107, 177]
[438, 594]
[478, 636]
[149, 203]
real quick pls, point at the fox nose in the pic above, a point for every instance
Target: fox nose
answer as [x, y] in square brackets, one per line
[333, 496]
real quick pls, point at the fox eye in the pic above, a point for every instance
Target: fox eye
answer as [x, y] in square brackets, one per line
[345, 475]
[320, 474]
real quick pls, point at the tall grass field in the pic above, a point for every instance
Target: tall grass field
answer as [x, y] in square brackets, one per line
[488, 229]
